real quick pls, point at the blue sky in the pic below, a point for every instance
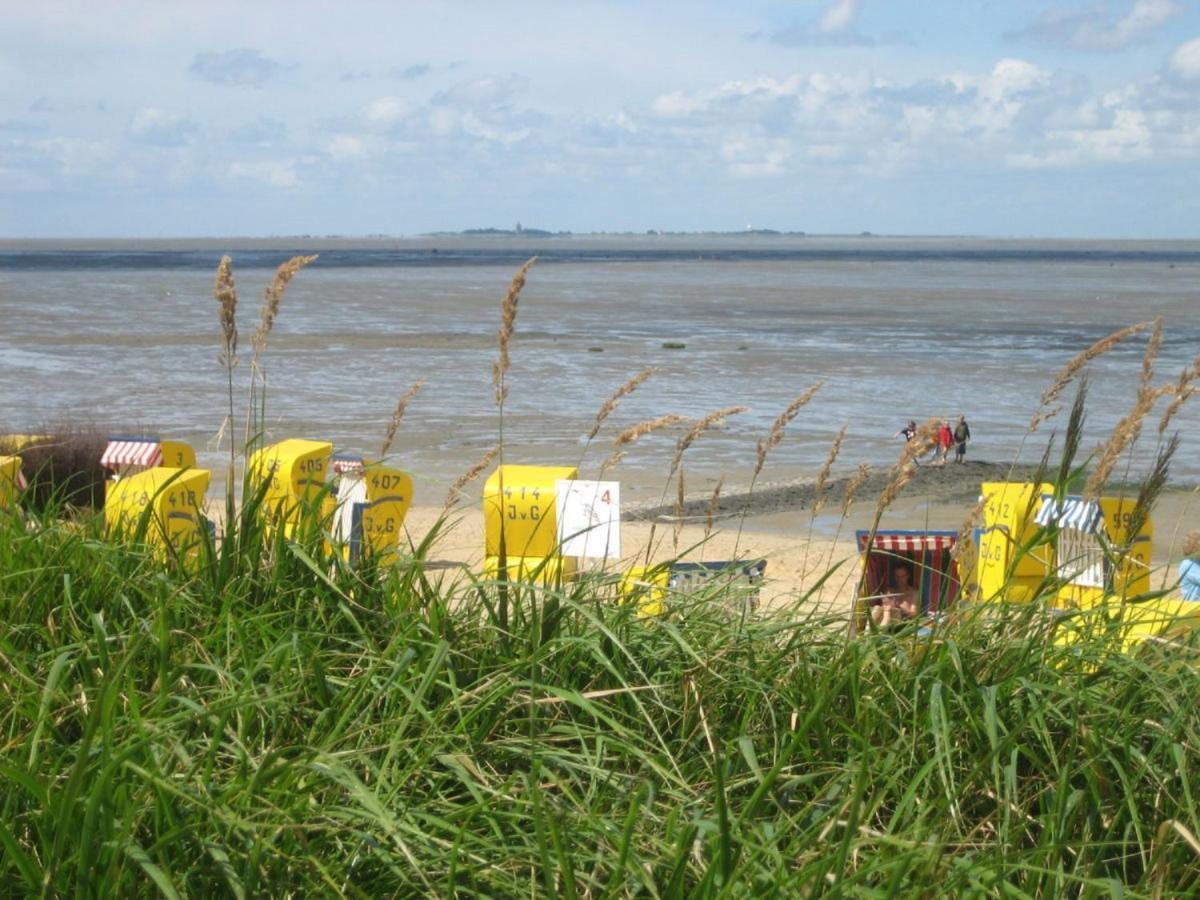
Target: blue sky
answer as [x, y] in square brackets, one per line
[996, 117]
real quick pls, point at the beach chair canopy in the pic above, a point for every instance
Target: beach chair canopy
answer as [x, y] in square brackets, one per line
[346, 462]
[131, 451]
[1071, 512]
[908, 541]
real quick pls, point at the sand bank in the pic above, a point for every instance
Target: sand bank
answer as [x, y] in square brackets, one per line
[777, 523]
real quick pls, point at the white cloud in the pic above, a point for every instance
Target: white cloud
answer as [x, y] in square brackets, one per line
[482, 92]
[166, 129]
[280, 173]
[840, 17]
[678, 103]
[346, 146]
[1013, 76]
[262, 132]
[1144, 18]
[753, 157]
[1185, 61]
[244, 67]
[1015, 115]
[387, 110]
[1094, 29]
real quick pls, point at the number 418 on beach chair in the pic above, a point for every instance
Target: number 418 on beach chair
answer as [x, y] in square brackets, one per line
[157, 492]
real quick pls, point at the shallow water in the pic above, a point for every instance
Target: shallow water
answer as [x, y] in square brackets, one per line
[126, 335]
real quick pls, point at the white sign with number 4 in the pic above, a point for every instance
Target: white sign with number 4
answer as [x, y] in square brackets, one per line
[589, 518]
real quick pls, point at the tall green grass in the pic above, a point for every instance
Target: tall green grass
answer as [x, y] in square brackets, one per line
[272, 721]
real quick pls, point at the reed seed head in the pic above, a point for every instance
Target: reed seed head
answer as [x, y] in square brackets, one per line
[273, 296]
[225, 292]
[1191, 544]
[826, 469]
[1124, 435]
[1129, 429]
[508, 322]
[679, 504]
[1182, 391]
[624, 390]
[701, 425]
[634, 433]
[901, 476]
[1076, 365]
[612, 460]
[964, 548]
[1152, 347]
[859, 478]
[713, 502]
[775, 435]
[641, 429]
[470, 475]
[397, 416]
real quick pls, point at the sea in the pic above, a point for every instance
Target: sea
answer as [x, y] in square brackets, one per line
[124, 336]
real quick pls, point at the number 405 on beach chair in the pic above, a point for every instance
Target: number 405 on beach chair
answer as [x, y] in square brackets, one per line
[289, 478]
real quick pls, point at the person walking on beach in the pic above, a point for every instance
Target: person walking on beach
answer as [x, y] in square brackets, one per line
[944, 439]
[962, 434]
[909, 433]
[1189, 569]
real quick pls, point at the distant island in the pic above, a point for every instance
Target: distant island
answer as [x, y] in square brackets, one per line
[520, 231]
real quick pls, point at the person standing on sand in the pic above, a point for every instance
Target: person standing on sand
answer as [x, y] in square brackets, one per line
[908, 432]
[944, 439]
[1189, 569]
[962, 434]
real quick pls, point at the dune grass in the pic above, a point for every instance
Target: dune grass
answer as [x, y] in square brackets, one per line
[277, 722]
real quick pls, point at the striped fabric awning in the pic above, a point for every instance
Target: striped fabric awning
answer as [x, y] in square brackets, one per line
[122, 451]
[1073, 512]
[347, 462]
[908, 541]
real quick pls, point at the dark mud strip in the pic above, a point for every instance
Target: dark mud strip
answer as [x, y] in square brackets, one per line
[951, 483]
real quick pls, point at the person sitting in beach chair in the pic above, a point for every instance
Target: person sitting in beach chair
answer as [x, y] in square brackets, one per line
[901, 604]
[906, 574]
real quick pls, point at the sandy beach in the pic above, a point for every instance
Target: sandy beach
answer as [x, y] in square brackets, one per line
[776, 523]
